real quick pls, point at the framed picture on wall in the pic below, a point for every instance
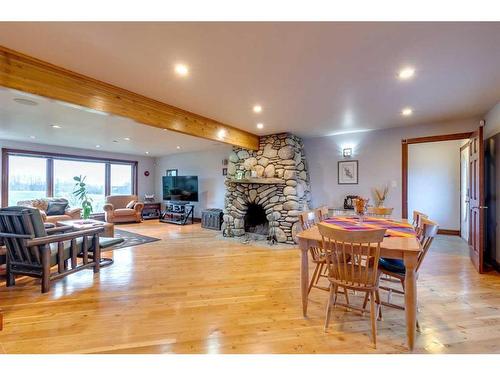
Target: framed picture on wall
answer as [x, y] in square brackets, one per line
[172, 172]
[348, 172]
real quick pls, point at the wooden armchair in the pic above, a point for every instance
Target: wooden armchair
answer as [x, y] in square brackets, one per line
[32, 250]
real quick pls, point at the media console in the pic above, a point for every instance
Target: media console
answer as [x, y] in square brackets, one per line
[178, 213]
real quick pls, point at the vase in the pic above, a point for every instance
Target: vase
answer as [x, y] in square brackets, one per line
[380, 203]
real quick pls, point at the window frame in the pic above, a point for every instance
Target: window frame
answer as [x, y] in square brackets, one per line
[51, 156]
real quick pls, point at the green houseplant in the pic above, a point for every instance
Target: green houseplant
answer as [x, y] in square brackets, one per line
[80, 192]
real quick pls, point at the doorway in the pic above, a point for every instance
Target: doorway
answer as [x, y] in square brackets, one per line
[472, 195]
[464, 192]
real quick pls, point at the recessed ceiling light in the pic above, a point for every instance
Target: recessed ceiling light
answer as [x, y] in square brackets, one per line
[98, 146]
[407, 111]
[126, 139]
[221, 133]
[181, 70]
[56, 126]
[178, 147]
[257, 108]
[147, 152]
[406, 73]
[32, 137]
[260, 125]
[25, 101]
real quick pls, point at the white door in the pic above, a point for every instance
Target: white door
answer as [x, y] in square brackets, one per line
[464, 193]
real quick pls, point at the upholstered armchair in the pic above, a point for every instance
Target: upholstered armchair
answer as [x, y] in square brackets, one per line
[42, 204]
[123, 209]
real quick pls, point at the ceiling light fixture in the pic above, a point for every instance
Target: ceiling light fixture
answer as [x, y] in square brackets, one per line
[98, 146]
[32, 137]
[257, 108]
[181, 70]
[25, 101]
[406, 73]
[407, 111]
[56, 126]
[147, 152]
[178, 147]
[126, 139]
[221, 133]
[260, 125]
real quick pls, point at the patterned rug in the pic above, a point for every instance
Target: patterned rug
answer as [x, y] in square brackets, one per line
[131, 239]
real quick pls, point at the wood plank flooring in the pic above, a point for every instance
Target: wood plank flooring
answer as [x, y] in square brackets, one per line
[193, 292]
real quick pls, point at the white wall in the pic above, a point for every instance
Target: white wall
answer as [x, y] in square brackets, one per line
[379, 156]
[492, 119]
[207, 165]
[434, 181]
[145, 184]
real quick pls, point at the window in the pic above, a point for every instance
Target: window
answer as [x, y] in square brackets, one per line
[27, 178]
[121, 179]
[34, 175]
[65, 170]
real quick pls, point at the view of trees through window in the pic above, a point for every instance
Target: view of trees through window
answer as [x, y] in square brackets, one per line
[65, 170]
[28, 179]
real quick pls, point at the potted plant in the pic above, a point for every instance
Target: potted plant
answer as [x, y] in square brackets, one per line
[80, 192]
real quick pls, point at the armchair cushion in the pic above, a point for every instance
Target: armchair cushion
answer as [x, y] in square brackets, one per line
[75, 213]
[56, 208]
[36, 218]
[124, 212]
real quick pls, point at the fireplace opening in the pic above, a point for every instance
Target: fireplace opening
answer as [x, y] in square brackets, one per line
[255, 220]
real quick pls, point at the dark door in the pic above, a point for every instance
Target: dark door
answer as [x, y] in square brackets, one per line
[476, 203]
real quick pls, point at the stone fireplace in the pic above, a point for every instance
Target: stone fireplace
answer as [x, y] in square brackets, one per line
[273, 189]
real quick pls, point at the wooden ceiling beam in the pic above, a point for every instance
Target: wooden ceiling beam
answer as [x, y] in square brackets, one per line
[28, 74]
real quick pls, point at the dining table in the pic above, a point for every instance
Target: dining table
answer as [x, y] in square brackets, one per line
[400, 242]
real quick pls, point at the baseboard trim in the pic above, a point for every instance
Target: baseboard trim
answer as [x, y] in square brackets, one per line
[449, 232]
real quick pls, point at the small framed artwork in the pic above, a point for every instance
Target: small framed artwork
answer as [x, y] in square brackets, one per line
[224, 171]
[348, 172]
[172, 172]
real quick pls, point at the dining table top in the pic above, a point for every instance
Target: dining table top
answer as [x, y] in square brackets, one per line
[397, 243]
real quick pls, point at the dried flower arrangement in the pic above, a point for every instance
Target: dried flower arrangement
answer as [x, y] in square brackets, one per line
[380, 195]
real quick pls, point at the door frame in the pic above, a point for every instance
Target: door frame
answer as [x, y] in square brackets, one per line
[404, 162]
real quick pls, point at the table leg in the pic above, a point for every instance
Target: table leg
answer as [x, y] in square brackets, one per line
[410, 261]
[304, 274]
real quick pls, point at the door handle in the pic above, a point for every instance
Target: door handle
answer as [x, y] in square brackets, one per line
[479, 207]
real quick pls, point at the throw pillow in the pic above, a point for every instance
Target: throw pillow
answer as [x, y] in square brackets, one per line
[56, 208]
[130, 204]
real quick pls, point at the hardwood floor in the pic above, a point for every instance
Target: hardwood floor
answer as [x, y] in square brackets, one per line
[195, 293]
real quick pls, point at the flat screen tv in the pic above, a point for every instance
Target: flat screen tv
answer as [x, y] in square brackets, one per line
[180, 188]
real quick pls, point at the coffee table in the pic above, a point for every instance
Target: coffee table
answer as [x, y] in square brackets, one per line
[80, 224]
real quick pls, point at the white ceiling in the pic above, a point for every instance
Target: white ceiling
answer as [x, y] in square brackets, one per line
[312, 79]
[85, 129]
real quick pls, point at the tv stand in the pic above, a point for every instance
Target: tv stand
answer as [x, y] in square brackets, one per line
[178, 213]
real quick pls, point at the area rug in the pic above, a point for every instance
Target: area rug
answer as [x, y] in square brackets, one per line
[131, 239]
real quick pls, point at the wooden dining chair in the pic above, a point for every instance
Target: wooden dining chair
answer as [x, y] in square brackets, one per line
[417, 218]
[380, 211]
[352, 261]
[395, 267]
[322, 213]
[308, 220]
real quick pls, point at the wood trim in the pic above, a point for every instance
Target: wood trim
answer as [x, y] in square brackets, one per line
[5, 177]
[404, 179]
[404, 161]
[462, 148]
[449, 232]
[439, 138]
[50, 156]
[25, 73]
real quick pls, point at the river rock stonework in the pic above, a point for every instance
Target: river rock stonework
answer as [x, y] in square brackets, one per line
[279, 156]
